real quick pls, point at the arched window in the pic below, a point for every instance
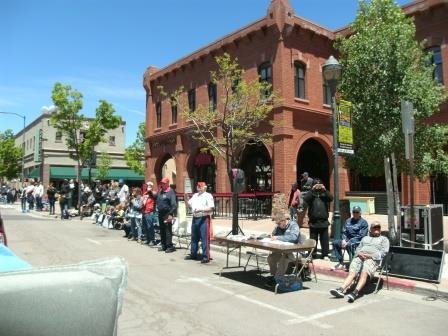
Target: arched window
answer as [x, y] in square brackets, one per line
[265, 73]
[158, 115]
[436, 59]
[173, 111]
[299, 80]
[212, 96]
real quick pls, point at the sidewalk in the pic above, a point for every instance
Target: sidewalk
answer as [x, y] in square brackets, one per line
[324, 266]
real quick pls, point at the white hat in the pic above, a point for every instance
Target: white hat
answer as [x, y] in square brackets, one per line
[149, 183]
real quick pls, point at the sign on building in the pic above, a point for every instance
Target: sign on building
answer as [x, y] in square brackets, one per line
[345, 130]
[38, 145]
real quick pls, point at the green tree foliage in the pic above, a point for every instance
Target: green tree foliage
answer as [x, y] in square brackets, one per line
[103, 166]
[10, 156]
[135, 153]
[81, 134]
[383, 63]
[244, 106]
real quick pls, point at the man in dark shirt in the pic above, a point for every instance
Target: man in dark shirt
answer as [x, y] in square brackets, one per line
[354, 230]
[167, 207]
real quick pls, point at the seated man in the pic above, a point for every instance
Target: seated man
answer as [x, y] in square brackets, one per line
[354, 230]
[288, 231]
[367, 257]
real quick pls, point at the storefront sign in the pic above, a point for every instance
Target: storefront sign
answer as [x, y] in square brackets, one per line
[345, 130]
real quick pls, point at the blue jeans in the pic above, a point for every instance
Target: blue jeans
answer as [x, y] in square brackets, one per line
[148, 227]
[337, 247]
[136, 227]
[199, 230]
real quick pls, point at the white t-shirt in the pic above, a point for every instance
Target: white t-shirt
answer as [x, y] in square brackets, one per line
[199, 202]
[123, 193]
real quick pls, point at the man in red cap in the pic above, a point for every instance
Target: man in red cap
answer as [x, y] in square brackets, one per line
[167, 207]
[202, 205]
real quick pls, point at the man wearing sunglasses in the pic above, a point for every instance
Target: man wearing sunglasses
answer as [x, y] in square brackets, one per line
[354, 230]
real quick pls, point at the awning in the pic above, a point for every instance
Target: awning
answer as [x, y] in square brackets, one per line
[35, 173]
[113, 174]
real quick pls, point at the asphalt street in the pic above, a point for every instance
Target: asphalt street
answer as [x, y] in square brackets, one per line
[167, 295]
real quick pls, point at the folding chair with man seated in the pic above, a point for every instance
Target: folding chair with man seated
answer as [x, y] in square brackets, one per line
[382, 268]
[305, 259]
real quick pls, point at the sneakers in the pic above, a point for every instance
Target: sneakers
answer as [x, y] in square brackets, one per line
[337, 293]
[170, 250]
[338, 266]
[205, 261]
[190, 257]
[151, 244]
[161, 248]
[353, 296]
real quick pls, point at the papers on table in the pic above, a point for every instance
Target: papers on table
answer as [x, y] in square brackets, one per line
[276, 242]
[237, 237]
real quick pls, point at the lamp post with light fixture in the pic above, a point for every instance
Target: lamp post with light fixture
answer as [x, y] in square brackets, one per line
[332, 72]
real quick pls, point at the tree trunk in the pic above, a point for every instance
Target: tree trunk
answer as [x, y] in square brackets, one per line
[397, 201]
[390, 199]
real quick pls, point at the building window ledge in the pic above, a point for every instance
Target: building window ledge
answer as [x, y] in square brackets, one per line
[172, 126]
[157, 130]
[301, 100]
[326, 106]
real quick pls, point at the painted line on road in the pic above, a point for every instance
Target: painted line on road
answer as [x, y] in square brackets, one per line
[93, 241]
[330, 312]
[259, 303]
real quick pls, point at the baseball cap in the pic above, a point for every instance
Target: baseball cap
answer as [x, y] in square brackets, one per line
[165, 180]
[375, 224]
[305, 174]
[149, 183]
[356, 208]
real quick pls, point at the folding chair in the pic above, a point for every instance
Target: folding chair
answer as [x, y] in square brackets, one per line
[305, 260]
[181, 229]
[383, 268]
[256, 254]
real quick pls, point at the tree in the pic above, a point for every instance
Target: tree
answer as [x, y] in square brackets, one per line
[383, 64]
[81, 134]
[10, 156]
[226, 129]
[135, 153]
[103, 166]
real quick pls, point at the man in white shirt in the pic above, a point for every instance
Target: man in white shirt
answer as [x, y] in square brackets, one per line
[123, 194]
[38, 194]
[202, 206]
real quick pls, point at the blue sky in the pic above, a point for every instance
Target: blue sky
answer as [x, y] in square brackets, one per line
[102, 47]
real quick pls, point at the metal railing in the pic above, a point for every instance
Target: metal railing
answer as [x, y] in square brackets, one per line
[250, 205]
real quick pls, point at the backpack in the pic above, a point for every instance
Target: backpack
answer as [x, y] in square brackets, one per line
[287, 283]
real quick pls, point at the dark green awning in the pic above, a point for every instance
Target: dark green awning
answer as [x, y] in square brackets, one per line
[113, 174]
[35, 173]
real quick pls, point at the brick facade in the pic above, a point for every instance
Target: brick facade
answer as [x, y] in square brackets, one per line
[282, 39]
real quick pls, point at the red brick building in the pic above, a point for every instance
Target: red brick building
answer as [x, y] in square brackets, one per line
[288, 51]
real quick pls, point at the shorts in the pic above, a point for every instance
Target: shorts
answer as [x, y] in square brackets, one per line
[369, 266]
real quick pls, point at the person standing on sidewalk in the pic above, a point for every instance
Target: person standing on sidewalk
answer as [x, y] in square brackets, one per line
[51, 194]
[202, 206]
[318, 200]
[354, 230]
[148, 215]
[38, 194]
[135, 213]
[167, 207]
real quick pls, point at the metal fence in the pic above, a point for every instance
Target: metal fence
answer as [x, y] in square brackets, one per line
[250, 205]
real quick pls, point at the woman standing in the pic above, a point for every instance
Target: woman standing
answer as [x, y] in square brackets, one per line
[135, 213]
[51, 194]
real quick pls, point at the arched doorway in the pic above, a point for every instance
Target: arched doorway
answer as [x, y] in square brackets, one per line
[257, 166]
[204, 169]
[312, 158]
[167, 168]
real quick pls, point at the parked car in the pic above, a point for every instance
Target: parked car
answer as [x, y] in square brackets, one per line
[2, 232]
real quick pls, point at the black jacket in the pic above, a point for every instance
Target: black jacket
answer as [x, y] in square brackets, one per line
[318, 202]
[166, 202]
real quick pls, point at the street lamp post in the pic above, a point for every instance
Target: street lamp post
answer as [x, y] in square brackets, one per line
[332, 72]
[23, 140]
